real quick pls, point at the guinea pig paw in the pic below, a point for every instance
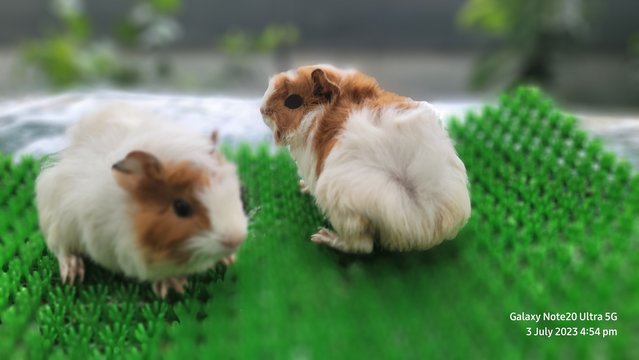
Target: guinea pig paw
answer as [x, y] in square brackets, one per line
[71, 267]
[325, 236]
[161, 288]
[362, 244]
[227, 261]
[303, 188]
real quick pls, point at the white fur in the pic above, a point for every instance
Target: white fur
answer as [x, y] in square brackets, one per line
[292, 75]
[301, 148]
[269, 91]
[83, 211]
[394, 173]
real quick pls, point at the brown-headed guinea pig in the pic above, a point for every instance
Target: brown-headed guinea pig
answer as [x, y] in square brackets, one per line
[140, 196]
[380, 166]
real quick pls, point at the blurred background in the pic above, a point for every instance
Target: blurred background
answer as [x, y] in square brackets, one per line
[182, 57]
[584, 52]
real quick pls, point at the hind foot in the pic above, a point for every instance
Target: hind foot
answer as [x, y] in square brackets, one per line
[358, 244]
[71, 268]
[161, 288]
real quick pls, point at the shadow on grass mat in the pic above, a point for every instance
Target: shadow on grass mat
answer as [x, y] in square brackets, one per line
[554, 229]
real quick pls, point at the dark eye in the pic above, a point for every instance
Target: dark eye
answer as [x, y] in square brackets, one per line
[182, 208]
[293, 101]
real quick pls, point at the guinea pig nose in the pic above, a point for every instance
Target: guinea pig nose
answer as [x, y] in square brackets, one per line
[263, 110]
[233, 240]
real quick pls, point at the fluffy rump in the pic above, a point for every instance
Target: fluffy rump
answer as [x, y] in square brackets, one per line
[398, 169]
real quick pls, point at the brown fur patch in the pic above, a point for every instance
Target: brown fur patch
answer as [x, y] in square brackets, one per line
[161, 233]
[356, 91]
[353, 91]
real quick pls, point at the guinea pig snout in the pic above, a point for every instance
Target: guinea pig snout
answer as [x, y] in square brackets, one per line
[266, 111]
[232, 241]
[268, 121]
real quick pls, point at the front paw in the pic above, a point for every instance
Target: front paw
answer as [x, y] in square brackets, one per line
[161, 288]
[303, 188]
[71, 267]
[325, 236]
[227, 261]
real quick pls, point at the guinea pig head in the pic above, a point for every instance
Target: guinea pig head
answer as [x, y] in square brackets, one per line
[183, 212]
[293, 96]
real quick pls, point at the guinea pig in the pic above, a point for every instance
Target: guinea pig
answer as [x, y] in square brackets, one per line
[140, 196]
[380, 166]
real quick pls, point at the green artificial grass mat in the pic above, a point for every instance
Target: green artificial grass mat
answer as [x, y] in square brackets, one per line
[554, 229]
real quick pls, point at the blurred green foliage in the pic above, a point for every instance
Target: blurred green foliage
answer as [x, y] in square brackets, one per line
[488, 15]
[150, 24]
[71, 56]
[528, 35]
[273, 38]
[64, 61]
[634, 45]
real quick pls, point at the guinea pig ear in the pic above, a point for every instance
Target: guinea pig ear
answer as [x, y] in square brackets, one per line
[214, 137]
[135, 168]
[323, 88]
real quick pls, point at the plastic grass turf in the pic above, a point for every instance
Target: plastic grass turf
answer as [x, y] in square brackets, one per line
[554, 228]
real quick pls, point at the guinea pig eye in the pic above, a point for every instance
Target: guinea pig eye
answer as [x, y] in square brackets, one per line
[182, 208]
[293, 101]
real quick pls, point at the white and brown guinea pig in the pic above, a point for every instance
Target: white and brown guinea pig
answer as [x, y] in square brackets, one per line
[140, 196]
[378, 164]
